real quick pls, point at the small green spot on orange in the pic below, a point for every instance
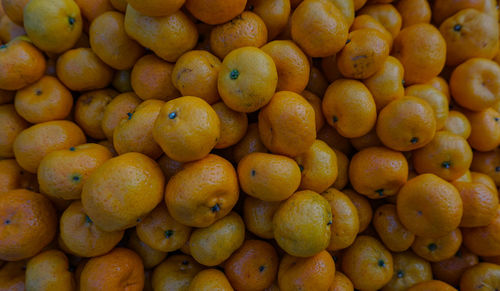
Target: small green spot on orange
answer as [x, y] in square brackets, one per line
[215, 208]
[234, 74]
[71, 20]
[169, 233]
[381, 263]
[432, 247]
[457, 27]
[76, 178]
[446, 164]
[129, 115]
[87, 219]
[172, 115]
[72, 149]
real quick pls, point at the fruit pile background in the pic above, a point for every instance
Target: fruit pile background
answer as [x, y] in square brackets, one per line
[319, 145]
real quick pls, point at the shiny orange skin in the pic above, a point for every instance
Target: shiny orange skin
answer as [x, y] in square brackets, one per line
[89, 111]
[156, 8]
[433, 285]
[385, 14]
[79, 235]
[120, 269]
[117, 110]
[30, 224]
[253, 266]
[312, 273]
[12, 126]
[21, 64]
[442, 85]
[484, 240]
[487, 163]
[436, 99]
[258, 216]
[378, 172]
[12, 276]
[438, 249]
[477, 177]
[442, 9]
[341, 283]
[233, 125]
[486, 275]
[215, 11]
[202, 192]
[33, 143]
[250, 143]
[451, 270]
[150, 257]
[81, 70]
[409, 269]
[480, 203]
[275, 14]
[176, 272]
[318, 166]
[485, 129]
[367, 21]
[390, 229]
[457, 123]
[210, 279]
[414, 11]
[49, 270]
[429, 206]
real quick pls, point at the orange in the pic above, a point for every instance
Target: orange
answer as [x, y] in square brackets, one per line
[378, 172]
[94, 8]
[484, 240]
[485, 129]
[451, 270]
[291, 63]
[443, 9]
[157, 7]
[274, 13]
[330, 68]
[432, 285]
[121, 81]
[345, 223]
[13, 9]
[343, 170]
[247, 79]
[9, 30]
[287, 124]
[316, 103]
[215, 11]
[110, 42]
[414, 11]
[440, 84]
[422, 50]
[486, 275]
[135, 133]
[301, 225]
[89, 111]
[45, 100]
[336, 141]
[363, 206]
[176, 272]
[390, 229]
[12, 126]
[457, 123]
[122, 191]
[151, 78]
[33, 143]
[477, 177]
[386, 84]
[177, 32]
[161, 232]
[368, 140]
[81, 70]
[312, 273]
[429, 206]
[367, 263]
[364, 53]
[341, 283]
[438, 249]
[210, 279]
[468, 34]
[62, 173]
[120, 269]
[319, 28]
[406, 124]
[448, 156]
[187, 129]
[233, 125]
[21, 64]
[169, 167]
[253, 266]
[214, 244]
[53, 26]
[49, 270]
[475, 84]
[367, 21]
[202, 192]
[118, 109]
[29, 224]
[487, 163]
[258, 216]
[318, 166]
[409, 269]
[436, 99]
[150, 257]
[480, 203]
[12, 276]
[195, 74]
[349, 107]
[385, 14]
[10, 175]
[80, 236]
[247, 29]
[268, 177]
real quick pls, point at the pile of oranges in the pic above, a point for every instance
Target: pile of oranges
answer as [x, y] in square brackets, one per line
[319, 145]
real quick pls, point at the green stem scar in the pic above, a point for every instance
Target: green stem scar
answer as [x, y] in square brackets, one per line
[234, 74]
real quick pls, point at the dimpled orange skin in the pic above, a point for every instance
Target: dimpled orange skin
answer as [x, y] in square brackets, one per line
[81, 70]
[247, 79]
[319, 28]
[89, 111]
[187, 129]
[485, 129]
[122, 191]
[258, 216]
[215, 11]
[110, 42]
[12, 276]
[484, 240]
[49, 270]
[12, 125]
[233, 125]
[151, 78]
[10, 175]
[21, 64]
[438, 249]
[378, 172]
[436, 99]
[422, 58]
[480, 203]
[117, 110]
[414, 11]
[176, 272]
[487, 163]
[429, 206]
[157, 7]
[247, 29]
[486, 275]
[287, 124]
[177, 32]
[253, 266]
[475, 84]
[312, 273]
[341, 283]
[392, 233]
[349, 107]
[432, 285]
[120, 269]
[385, 14]
[33, 143]
[406, 123]
[268, 177]
[457, 123]
[210, 279]
[367, 263]
[451, 270]
[409, 269]
[29, 224]
[62, 173]
[202, 192]
[275, 14]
